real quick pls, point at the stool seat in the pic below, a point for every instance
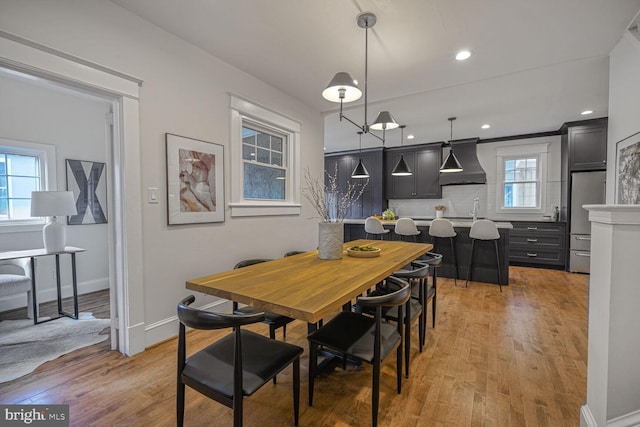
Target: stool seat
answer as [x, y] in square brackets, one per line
[484, 230]
[374, 226]
[442, 228]
[406, 227]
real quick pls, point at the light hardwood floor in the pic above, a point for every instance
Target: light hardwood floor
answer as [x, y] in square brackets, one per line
[511, 359]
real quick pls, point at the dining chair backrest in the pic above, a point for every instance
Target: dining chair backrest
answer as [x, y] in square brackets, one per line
[391, 299]
[248, 262]
[406, 227]
[200, 319]
[373, 225]
[441, 227]
[484, 229]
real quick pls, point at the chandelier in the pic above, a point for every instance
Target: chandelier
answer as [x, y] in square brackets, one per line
[343, 88]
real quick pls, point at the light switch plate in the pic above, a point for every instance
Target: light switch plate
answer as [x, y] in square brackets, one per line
[152, 195]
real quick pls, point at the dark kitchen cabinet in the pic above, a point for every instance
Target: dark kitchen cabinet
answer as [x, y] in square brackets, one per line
[587, 147]
[538, 244]
[371, 201]
[424, 162]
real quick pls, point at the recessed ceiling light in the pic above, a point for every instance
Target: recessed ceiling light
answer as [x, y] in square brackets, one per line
[586, 112]
[462, 55]
[410, 136]
[486, 126]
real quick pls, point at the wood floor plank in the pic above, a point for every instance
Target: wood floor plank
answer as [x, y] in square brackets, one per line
[516, 358]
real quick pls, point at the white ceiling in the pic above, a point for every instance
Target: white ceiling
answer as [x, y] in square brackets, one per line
[535, 64]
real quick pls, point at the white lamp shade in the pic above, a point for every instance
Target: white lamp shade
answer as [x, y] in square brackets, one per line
[384, 121]
[53, 203]
[342, 81]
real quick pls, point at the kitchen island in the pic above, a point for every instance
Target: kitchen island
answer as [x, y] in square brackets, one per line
[484, 266]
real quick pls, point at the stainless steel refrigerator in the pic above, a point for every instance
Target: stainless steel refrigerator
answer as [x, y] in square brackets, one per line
[587, 188]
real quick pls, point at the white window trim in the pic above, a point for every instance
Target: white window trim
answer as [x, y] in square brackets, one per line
[538, 150]
[241, 109]
[47, 154]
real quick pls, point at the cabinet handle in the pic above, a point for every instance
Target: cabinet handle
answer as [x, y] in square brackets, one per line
[532, 240]
[583, 238]
[532, 228]
[532, 254]
[584, 254]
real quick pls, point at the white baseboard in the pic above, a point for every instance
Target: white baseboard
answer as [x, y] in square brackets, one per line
[168, 328]
[20, 300]
[632, 419]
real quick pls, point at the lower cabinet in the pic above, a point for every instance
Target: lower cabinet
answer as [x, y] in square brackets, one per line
[538, 244]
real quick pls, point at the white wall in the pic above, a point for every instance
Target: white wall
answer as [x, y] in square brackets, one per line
[459, 198]
[185, 92]
[76, 127]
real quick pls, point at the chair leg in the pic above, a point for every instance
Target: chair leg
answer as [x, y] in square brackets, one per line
[180, 404]
[473, 241]
[375, 392]
[284, 332]
[272, 335]
[455, 261]
[407, 341]
[398, 368]
[313, 361]
[495, 243]
[296, 390]
[435, 294]
[237, 411]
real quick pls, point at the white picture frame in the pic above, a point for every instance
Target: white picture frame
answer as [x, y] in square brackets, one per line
[195, 181]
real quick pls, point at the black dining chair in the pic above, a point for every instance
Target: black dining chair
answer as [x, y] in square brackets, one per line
[233, 367]
[274, 320]
[364, 338]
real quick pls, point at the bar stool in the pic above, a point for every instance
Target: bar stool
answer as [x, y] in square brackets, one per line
[443, 228]
[373, 225]
[406, 227]
[484, 229]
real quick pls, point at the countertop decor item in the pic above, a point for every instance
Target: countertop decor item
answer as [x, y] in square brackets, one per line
[440, 210]
[332, 205]
[388, 215]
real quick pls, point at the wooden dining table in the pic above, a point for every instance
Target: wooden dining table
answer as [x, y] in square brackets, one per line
[308, 288]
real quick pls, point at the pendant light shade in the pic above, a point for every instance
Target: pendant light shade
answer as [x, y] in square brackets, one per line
[402, 168]
[360, 171]
[342, 87]
[451, 163]
[384, 121]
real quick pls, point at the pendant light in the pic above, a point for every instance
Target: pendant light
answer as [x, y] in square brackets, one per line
[402, 168]
[451, 163]
[360, 171]
[343, 88]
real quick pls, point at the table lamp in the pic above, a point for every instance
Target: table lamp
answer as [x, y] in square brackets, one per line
[53, 204]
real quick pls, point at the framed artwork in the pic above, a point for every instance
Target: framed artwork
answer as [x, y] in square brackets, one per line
[628, 170]
[195, 186]
[88, 183]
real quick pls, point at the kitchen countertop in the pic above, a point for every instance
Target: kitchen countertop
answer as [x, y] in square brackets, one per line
[426, 222]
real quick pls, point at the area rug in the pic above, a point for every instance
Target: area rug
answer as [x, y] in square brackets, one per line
[25, 346]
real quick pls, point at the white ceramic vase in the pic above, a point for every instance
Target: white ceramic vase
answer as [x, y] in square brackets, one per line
[330, 240]
[439, 214]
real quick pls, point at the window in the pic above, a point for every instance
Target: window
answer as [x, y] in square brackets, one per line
[265, 172]
[264, 154]
[24, 167]
[521, 178]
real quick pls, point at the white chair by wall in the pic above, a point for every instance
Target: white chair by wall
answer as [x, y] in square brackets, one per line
[484, 229]
[15, 278]
[374, 226]
[406, 227]
[443, 228]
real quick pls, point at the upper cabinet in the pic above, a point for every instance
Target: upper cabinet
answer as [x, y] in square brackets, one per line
[424, 162]
[587, 146]
[371, 202]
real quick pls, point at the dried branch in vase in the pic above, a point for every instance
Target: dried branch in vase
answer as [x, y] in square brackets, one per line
[331, 204]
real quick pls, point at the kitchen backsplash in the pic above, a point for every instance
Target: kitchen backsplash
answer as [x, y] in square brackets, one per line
[459, 202]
